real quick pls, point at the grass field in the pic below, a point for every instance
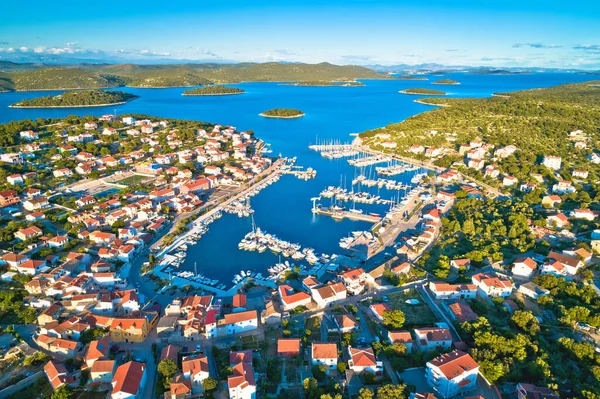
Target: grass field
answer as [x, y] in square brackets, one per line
[133, 179]
[415, 314]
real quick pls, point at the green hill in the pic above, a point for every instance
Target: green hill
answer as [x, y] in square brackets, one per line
[77, 98]
[6, 83]
[182, 75]
[61, 78]
[536, 121]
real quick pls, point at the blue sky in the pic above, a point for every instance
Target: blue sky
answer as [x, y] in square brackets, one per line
[508, 33]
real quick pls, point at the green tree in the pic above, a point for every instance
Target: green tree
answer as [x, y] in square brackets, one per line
[167, 368]
[526, 321]
[341, 366]
[394, 318]
[391, 391]
[62, 392]
[210, 384]
[319, 371]
[365, 393]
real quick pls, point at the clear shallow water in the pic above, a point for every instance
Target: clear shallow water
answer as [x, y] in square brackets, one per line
[331, 112]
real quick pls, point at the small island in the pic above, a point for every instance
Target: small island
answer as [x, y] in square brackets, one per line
[445, 82]
[213, 91]
[427, 92]
[322, 83]
[284, 113]
[412, 77]
[77, 99]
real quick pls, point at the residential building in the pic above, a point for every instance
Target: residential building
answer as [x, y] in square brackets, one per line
[288, 347]
[362, 360]
[57, 374]
[401, 336]
[354, 280]
[524, 267]
[129, 381]
[242, 382]
[552, 162]
[103, 371]
[325, 354]
[443, 290]
[530, 391]
[195, 369]
[432, 338]
[291, 299]
[129, 329]
[452, 373]
[240, 321]
[533, 290]
[328, 293]
[492, 286]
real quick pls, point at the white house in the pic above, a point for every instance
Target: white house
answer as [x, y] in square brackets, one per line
[240, 321]
[492, 286]
[325, 353]
[552, 162]
[532, 290]
[443, 290]
[586, 214]
[524, 267]
[242, 383]
[432, 338]
[452, 373]
[363, 360]
[354, 280]
[195, 370]
[328, 293]
[403, 337]
[571, 265]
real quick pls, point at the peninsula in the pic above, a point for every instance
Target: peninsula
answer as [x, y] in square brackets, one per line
[445, 82]
[412, 77]
[427, 92]
[284, 113]
[77, 99]
[213, 91]
[326, 83]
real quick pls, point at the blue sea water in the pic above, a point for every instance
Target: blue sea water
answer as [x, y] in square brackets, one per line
[284, 208]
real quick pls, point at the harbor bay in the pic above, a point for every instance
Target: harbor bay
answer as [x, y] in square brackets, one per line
[285, 209]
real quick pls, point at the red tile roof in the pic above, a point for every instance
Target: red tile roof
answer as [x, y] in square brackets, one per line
[324, 351]
[288, 345]
[454, 364]
[128, 378]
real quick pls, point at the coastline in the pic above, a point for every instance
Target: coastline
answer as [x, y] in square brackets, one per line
[433, 105]
[282, 117]
[442, 84]
[216, 94]
[422, 94]
[71, 106]
[69, 88]
[327, 85]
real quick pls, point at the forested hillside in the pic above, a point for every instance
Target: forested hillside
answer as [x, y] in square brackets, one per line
[536, 121]
[99, 76]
